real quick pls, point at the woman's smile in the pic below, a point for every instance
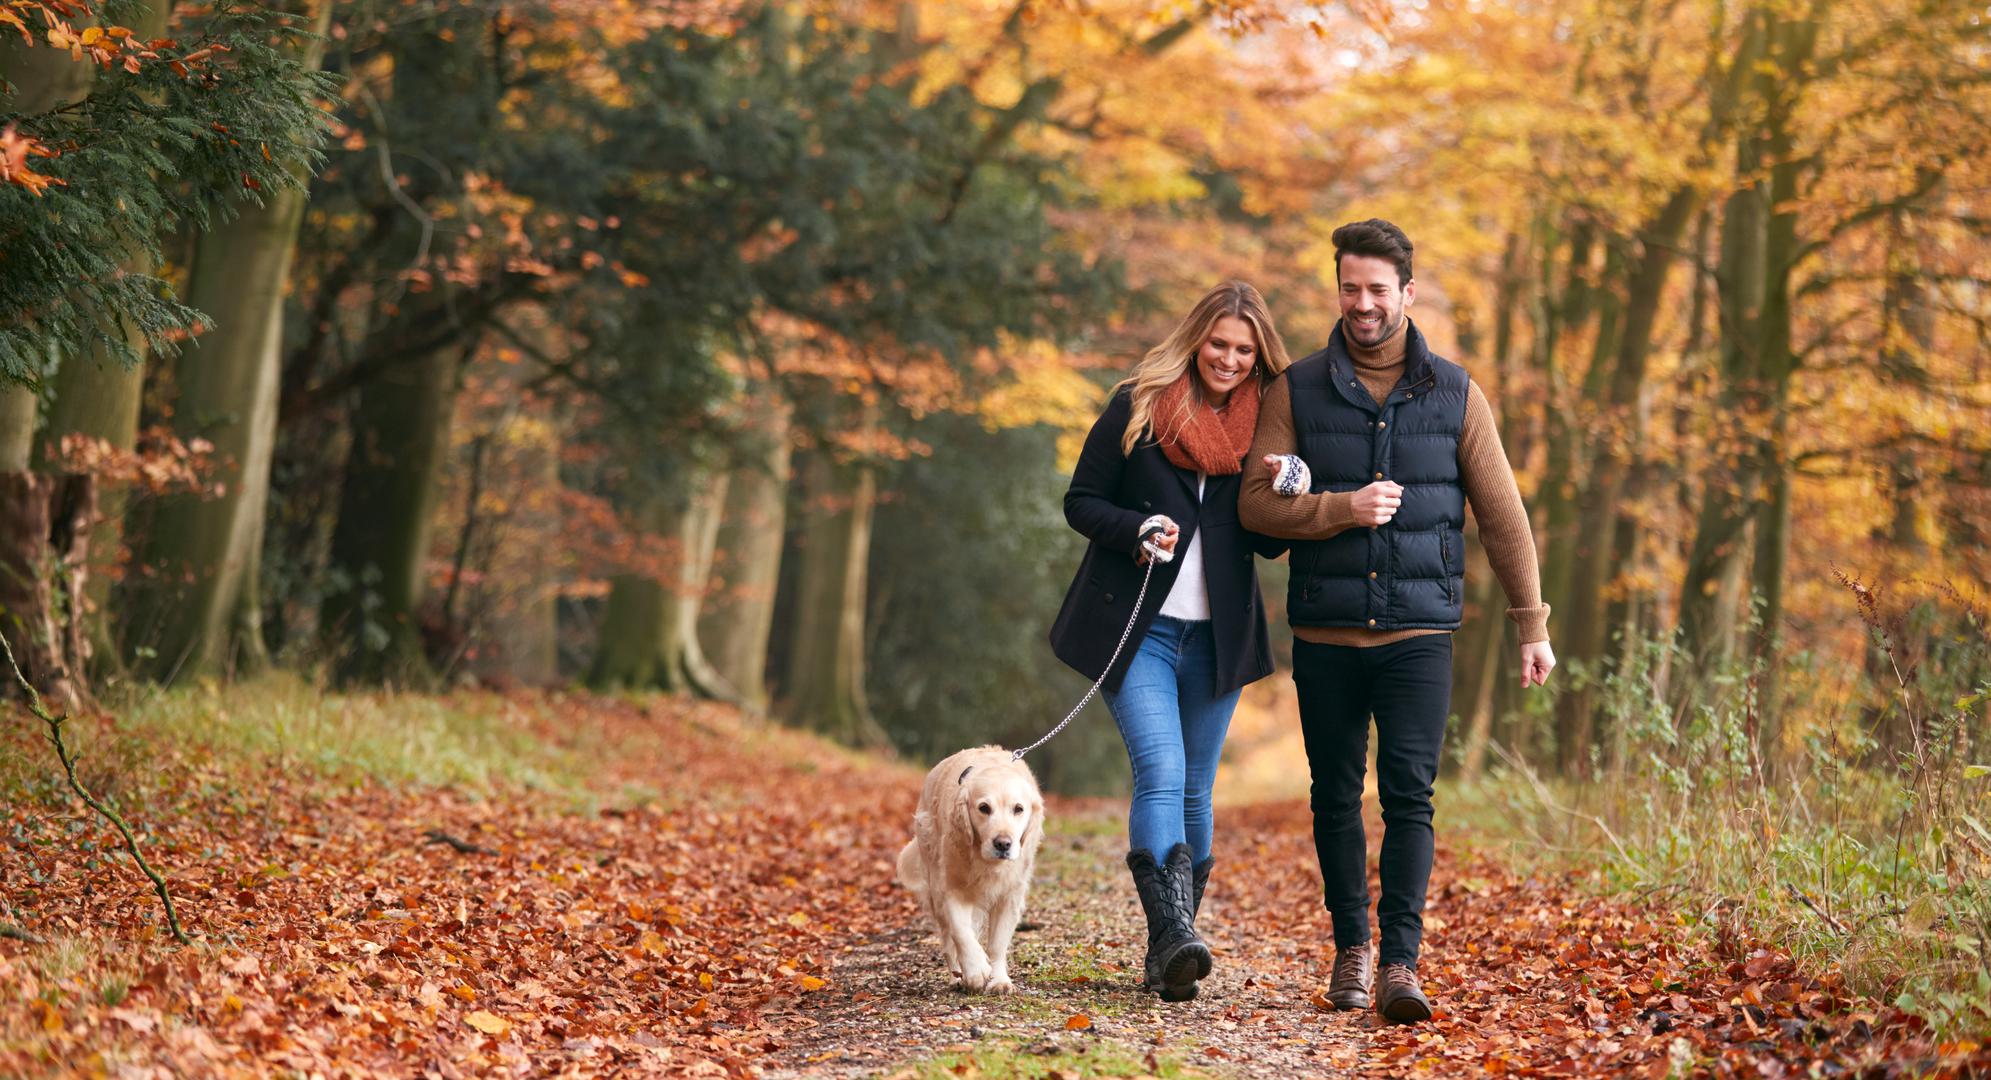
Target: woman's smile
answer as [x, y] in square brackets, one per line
[1226, 357]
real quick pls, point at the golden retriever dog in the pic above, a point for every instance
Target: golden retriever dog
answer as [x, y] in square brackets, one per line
[974, 844]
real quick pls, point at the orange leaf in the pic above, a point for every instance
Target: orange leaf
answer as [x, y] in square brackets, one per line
[488, 1023]
[1077, 1022]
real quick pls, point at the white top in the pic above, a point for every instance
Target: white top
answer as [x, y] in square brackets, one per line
[1189, 598]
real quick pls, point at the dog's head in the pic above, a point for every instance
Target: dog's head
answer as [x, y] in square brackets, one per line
[1003, 809]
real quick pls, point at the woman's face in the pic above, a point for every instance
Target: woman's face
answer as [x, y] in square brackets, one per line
[1226, 358]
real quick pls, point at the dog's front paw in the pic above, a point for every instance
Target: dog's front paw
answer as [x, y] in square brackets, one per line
[999, 984]
[976, 979]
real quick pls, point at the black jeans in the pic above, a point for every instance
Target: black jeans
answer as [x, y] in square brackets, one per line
[1407, 687]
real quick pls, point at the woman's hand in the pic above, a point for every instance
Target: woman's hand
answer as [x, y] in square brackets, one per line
[1290, 475]
[1376, 504]
[1163, 541]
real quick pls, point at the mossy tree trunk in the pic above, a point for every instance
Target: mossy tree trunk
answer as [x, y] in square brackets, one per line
[193, 606]
[649, 631]
[380, 545]
[825, 674]
[738, 615]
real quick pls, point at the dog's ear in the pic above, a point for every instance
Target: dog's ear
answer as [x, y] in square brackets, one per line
[1035, 832]
[962, 803]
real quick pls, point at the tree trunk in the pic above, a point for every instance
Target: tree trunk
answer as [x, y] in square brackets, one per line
[649, 629]
[1730, 488]
[1777, 363]
[514, 616]
[34, 561]
[189, 608]
[44, 551]
[825, 675]
[738, 614]
[380, 546]
[17, 427]
[1621, 445]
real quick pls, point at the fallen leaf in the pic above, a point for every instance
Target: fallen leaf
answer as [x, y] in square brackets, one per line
[488, 1023]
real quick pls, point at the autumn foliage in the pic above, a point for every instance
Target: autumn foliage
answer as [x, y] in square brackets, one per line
[701, 921]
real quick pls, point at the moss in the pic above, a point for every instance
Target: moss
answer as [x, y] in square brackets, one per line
[1073, 1056]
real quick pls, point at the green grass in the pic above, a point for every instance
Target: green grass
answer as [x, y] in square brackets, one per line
[1883, 874]
[1073, 1056]
[1849, 827]
[1084, 961]
[221, 735]
[1084, 825]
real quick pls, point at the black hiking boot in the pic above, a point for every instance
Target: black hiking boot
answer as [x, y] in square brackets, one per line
[1176, 957]
[1198, 880]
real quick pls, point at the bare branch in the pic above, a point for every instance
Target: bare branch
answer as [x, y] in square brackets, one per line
[69, 769]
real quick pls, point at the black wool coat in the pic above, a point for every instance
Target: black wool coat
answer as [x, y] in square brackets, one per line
[1110, 495]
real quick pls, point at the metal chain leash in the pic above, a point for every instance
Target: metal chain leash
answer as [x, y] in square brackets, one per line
[1154, 557]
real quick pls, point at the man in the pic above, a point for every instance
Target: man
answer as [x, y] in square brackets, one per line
[1397, 440]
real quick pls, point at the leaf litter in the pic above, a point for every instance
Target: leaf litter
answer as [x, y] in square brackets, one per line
[746, 924]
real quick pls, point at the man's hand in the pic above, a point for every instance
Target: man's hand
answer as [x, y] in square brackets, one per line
[1376, 504]
[1537, 660]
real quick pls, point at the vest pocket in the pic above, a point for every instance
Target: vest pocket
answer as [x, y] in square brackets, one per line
[1445, 560]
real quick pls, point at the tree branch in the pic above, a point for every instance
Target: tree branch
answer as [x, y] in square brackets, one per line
[62, 753]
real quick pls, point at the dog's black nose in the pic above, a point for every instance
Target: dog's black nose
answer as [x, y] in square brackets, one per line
[1001, 844]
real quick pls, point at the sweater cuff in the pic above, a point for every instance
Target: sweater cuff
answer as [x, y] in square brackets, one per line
[1533, 621]
[1337, 511]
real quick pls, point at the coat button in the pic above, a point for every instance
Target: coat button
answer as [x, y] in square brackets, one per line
[1147, 505]
[1382, 423]
[1372, 575]
[1109, 598]
[1372, 622]
[1379, 476]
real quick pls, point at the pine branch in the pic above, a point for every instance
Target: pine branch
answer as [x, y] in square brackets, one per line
[68, 760]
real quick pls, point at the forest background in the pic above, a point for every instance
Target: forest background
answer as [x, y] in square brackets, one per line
[742, 351]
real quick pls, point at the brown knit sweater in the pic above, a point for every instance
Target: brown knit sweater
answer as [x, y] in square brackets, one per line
[1483, 471]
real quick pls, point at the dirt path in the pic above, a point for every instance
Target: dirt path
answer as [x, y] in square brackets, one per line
[901, 1012]
[1529, 977]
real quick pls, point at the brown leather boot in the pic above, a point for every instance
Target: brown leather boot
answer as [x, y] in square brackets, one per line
[1354, 972]
[1400, 1000]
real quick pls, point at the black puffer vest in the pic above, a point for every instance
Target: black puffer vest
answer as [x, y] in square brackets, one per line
[1410, 573]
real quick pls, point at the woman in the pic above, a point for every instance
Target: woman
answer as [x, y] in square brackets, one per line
[1168, 452]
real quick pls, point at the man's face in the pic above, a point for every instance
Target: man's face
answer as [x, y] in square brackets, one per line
[1372, 300]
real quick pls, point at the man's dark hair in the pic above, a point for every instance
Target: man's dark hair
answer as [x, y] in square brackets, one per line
[1377, 238]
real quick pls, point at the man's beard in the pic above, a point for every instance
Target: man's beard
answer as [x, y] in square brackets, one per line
[1388, 331]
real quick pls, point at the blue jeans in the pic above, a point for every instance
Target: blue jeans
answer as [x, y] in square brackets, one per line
[1174, 724]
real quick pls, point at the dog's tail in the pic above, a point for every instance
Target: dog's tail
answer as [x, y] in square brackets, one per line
[911, 873]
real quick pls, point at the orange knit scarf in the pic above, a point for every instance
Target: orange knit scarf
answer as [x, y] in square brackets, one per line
[1199, 437]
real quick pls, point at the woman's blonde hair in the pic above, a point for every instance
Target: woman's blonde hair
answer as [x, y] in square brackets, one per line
[1166, 362]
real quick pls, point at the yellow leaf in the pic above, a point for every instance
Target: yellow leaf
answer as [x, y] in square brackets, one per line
[464, 993]
[810, 982]
[651, 942]
[92, 35]
[705, 980]
[488, 1023]
[798, 919]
